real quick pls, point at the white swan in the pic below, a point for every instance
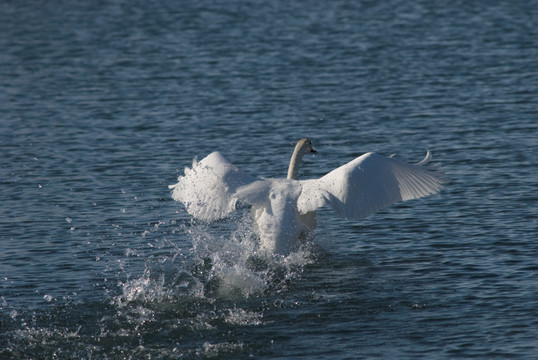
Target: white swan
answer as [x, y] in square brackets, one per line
[285, 209]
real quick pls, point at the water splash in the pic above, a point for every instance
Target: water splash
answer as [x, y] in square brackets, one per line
[221, 264]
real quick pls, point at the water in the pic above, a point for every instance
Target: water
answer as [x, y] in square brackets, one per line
[104, 103]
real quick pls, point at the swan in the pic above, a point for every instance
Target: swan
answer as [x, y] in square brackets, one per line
[284, 210]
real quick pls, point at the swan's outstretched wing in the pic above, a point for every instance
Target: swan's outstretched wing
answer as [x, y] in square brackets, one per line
[207, 190]
[370, 183]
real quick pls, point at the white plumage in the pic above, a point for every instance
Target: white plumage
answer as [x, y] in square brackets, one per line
[284, 210]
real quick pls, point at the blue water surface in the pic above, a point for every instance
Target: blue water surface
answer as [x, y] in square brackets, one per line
[103, 104]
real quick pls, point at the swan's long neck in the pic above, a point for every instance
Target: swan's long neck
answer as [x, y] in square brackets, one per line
[293, 170]
[301, 148]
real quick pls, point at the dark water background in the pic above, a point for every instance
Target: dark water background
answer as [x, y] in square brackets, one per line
[102, 104]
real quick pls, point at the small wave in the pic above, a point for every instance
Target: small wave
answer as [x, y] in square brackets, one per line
[209, 350]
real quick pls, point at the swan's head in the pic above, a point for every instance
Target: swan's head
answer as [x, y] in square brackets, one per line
[304, 146]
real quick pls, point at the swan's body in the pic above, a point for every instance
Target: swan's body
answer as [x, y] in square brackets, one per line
[285, 209]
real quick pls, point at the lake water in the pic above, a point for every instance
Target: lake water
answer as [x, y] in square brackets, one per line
[104, 103]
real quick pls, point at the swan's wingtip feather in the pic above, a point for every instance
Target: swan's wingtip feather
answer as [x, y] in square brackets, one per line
[426, 159]
[434, 168]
